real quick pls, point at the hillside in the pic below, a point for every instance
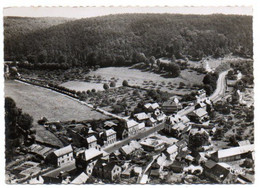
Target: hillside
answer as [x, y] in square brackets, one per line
[20, 26]
[121, 39]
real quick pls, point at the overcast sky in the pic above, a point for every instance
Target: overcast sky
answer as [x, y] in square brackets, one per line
[84, 12]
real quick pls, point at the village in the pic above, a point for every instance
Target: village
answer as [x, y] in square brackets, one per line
[169, 142]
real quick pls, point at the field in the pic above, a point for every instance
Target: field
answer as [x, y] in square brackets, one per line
[39, 102]
[144, 79]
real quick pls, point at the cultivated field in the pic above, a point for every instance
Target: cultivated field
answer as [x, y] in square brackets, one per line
[39, 102]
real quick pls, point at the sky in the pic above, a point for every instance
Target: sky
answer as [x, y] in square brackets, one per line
[85, 12]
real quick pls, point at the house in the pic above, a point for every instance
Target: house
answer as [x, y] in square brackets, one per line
[109, 171]
[179, 128]
[91, 142]
[151, 122]
[140, 117]
[112, 171]
[232, 154]
[61, 156]
[243, 143]
[202, 94]
[181, 144]
[109, 124]
[177, 166]
[127, 172]
[152, 144]
[126, 150]
[109, 137]
[80, 179]
[132, 127]
[199, 115]
[169, 107]
[122, 133]
[87, 159]
[171, 152]
[151, 107]
[141, 126]
[161, 118]
[155, 173]
[217, 173]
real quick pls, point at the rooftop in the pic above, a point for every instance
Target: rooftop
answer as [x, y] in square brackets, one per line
[141, 116]
[63, 151]
[235, 151]
[110, 132]
[131, 123]
[91, 139]
[82, 178]
[92, 153]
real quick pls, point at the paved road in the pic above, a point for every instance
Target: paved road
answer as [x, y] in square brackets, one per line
[139, 135]
[218, 93]
[221, 87]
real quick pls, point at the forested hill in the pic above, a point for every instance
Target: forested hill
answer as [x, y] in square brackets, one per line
[117, 39]
[15, 26]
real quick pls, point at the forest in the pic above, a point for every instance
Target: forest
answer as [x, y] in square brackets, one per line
[125, 39]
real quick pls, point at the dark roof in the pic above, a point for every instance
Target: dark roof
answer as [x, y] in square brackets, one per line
[110, 166]
[155, 172]
[220, 171]
[56, 172]
[210, 164]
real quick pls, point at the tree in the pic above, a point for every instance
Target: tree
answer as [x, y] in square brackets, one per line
[118, 109]
[198, 140]
[42, 56]
[174, 69]
[152, 61]
[105, 86]
[125, 83]
[112, 84]
[25, 121]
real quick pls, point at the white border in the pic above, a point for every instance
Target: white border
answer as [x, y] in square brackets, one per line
[256, 23]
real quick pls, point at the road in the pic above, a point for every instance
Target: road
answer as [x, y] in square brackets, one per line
[218, 93]
[139, 135]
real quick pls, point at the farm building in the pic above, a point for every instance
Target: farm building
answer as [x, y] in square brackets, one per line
[217, 172]
[171, 106]
[61, 156]
[40, 151]
[232, 154]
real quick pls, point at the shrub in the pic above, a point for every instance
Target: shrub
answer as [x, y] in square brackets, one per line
[125, 83]
[93, 91]
[105, 86]
[112, 84]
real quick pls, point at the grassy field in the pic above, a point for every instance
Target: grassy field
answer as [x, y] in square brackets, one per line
[145, 79]
[39, 102]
